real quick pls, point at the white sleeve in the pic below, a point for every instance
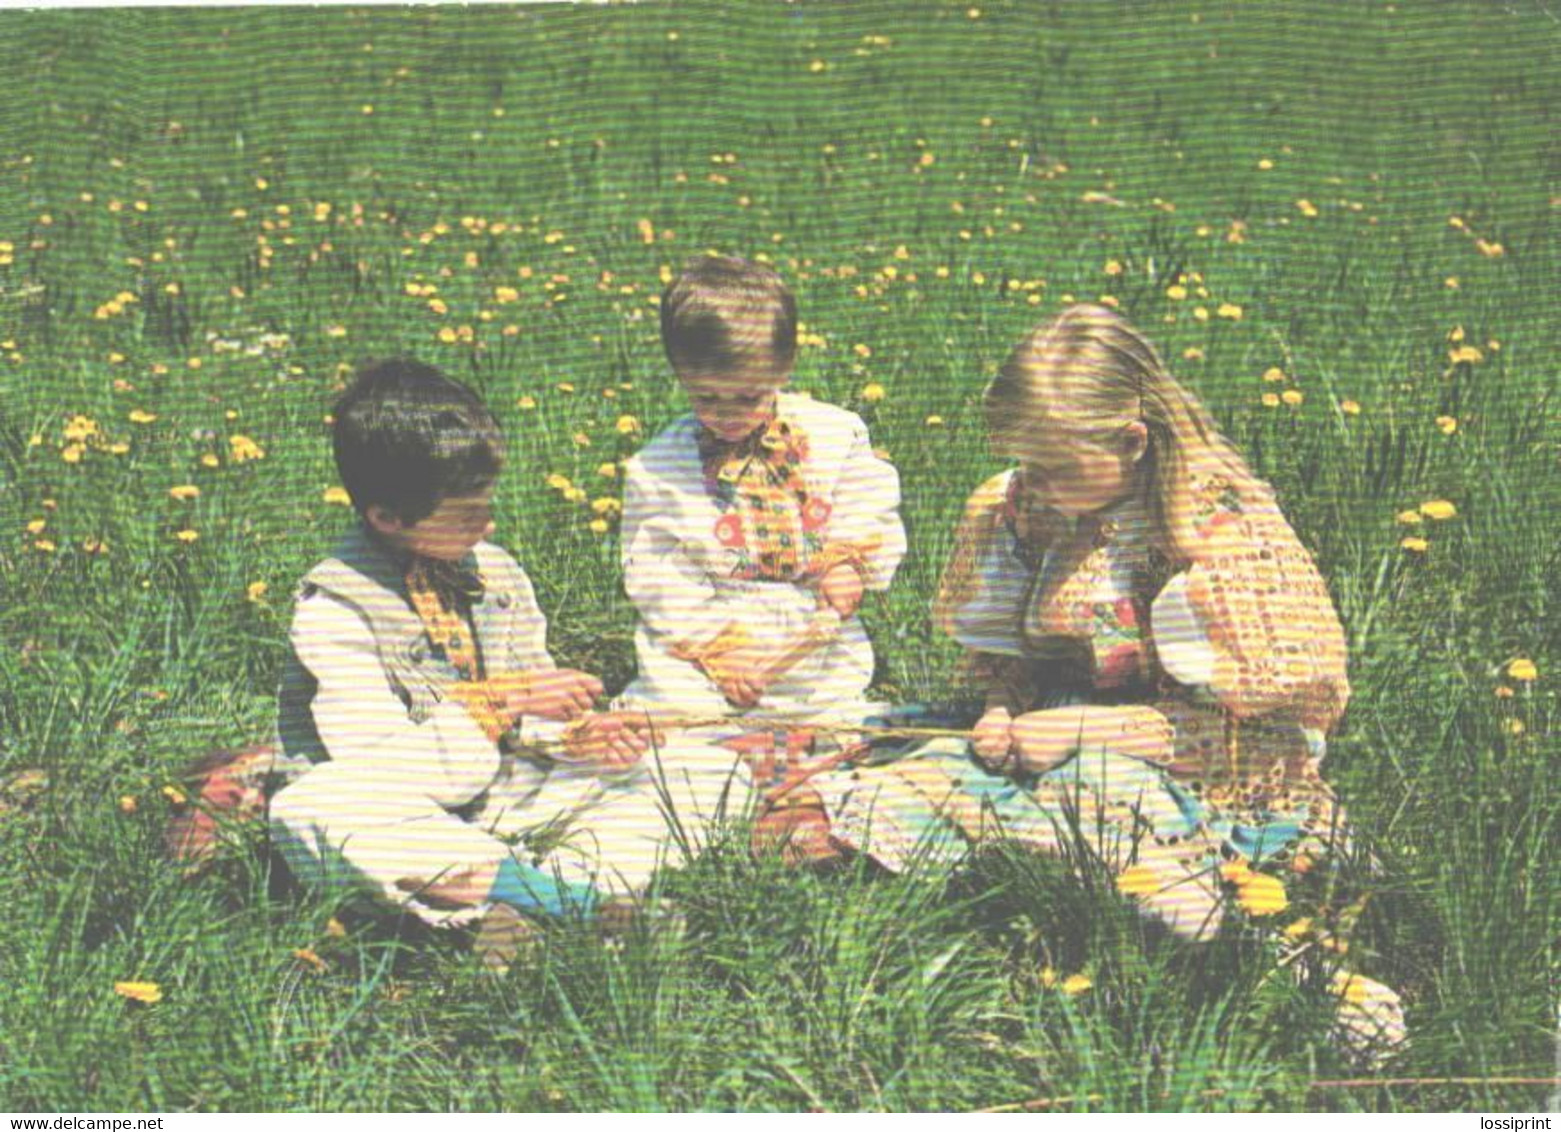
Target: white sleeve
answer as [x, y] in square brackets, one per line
[1180, 640]
[865, 512]
[669, 587]
[527, 628]
[363, 722]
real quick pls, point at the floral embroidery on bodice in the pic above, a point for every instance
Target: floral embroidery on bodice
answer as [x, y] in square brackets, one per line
[1091, 585]
[770, 524]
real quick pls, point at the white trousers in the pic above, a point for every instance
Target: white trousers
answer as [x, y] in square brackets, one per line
[345, 826]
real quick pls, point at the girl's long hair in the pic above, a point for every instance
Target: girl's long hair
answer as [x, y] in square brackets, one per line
[1087, 374]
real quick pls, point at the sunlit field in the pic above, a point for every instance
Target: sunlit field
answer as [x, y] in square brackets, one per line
[1339, 224]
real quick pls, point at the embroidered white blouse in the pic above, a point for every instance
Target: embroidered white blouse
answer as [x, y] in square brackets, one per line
[688, 568]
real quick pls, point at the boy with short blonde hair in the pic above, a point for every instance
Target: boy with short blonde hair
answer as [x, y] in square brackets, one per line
[754, 525]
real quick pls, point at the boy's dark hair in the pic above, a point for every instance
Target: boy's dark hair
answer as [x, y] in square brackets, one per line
[723, 312]
[407, 437]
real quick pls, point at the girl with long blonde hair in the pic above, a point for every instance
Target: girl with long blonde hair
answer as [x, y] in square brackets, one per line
[1159, 657]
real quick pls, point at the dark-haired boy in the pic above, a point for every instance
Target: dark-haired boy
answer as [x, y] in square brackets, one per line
[419, 674]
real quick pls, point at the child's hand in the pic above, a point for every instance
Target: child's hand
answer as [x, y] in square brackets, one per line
[993, 739]
[1046, 739]
[743, 686]
[550, 693]
[840, 587]
[609, 741]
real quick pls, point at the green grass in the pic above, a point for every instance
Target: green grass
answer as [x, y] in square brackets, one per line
[154, 153]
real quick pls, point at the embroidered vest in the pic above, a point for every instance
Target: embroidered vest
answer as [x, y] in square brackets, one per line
[362, 575]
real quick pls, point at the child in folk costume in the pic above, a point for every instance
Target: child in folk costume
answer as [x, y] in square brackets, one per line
[1160, 658]
[753, 526]
[419, 683]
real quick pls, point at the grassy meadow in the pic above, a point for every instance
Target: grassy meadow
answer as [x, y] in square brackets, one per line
[1338, 222]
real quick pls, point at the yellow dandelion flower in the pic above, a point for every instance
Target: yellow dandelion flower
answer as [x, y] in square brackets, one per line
[1270, 400]
[45, 545]
[241, 449]
[175, 796]
[1470, 354]
[36, 526]
[527, 402]
[872, 393]
[1456, 222]
[1514, 727]
[1451, 282]
[1236, 871]
[1505, 693]
[1192, 354]
[1048, 977]
[934, 421]
[598, 526]
[127, 804]
[336, 495]
[1415, 545]
[1265, 164]
[1489, 249]
[581, 440]
[209, 460]
[862, 350]
[565, 387]
[1523, 669]
[185, 492]
[1352, 988]
[1112, 267]
[1176, 291]
[1075, 985]
[1350, 407]
[607, 471]
[1292, 396]
[1299, 930]
[72, 453]
[1139, 880]
[335, 929]
[1455, 335]
[1438, 509]
[575, 495]
[627, 425]
[558, 482]
[308, 958]
[1231, 311]
[141, 416]
[1273, 373]
[1306, 208]
[148, 994]
[606, 505]
[80, 428]
[446, 335]
[187, 535]
[1262, 895]
[1410, 518]
[1448, 425]
[255, 592]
